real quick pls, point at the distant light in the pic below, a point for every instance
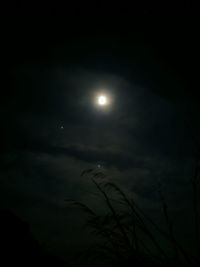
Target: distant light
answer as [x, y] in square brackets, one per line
[61, 127]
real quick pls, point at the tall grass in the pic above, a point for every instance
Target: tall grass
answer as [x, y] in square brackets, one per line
[127, 235]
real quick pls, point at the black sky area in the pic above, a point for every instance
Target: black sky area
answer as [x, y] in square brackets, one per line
[51, 130]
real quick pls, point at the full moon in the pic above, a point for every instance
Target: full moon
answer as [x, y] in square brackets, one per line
[102, 100]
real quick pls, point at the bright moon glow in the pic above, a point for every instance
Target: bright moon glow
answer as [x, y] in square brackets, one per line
[102, 100]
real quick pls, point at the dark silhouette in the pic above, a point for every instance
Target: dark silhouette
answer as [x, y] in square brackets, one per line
[128, 236]
[18, 246]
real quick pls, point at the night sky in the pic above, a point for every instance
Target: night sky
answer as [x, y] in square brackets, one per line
[52, 129]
